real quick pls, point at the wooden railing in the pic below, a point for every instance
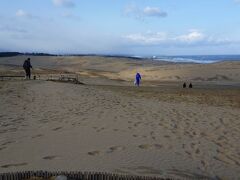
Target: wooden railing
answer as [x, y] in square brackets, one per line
[65, 78]
[10, 77]
[71, 78]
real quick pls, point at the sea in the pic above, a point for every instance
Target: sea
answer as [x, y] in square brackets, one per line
[203, 59]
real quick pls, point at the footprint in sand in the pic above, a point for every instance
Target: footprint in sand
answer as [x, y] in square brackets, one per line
[188, 153]
[203, 134]
[56, 129]
[197, 151]
[37, 136]
[150, 146]
[94, 153]
[167, 136]
[50, 157]
[192, 145]
[6, 143]
[136, 124]
[158, 146]
[116, 148]
[44, 121]
[145, 146]
[101, 129]
[152, 135]
[14, 165]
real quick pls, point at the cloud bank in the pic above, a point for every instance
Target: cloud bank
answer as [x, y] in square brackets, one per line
[193, 37]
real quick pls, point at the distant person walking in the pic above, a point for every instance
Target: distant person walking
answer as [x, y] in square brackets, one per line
[27, 67]
[190, 85]
[184, 85]
[138, 79]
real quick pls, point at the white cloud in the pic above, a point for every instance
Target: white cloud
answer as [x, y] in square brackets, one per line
[154, 11]
[132, 10]
[64, 3]
[141, 14]
[148, 38]
[194, 37]
[21, 13]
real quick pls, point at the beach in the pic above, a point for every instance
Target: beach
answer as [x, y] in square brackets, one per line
[108, 125]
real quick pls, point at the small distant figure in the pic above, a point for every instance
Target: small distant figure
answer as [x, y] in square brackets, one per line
[27, 67]
[137, 79]
[184, 85]
[190, 85]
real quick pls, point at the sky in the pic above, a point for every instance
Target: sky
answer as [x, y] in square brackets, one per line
[123, 27]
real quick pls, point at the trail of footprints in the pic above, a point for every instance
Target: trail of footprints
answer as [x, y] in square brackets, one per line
[122, 148]
[109, 150]
[15, 165]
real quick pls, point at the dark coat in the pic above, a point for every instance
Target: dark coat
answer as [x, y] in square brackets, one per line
[27, 64]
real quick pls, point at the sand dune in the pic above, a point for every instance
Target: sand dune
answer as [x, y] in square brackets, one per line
[47, 125]
[125, 69]
[108, 125]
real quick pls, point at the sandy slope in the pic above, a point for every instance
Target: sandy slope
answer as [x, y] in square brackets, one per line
[109, 125]
[149, 131]
[125, 69]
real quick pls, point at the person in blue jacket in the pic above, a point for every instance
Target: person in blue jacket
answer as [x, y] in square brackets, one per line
[138, 79]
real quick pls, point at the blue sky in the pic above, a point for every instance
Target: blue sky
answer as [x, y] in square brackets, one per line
[140, 27]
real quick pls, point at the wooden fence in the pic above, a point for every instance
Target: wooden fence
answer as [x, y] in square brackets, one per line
[45, 175]
[11, 77]
[68, 78]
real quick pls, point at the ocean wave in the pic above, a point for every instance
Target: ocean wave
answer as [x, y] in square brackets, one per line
[205, 59]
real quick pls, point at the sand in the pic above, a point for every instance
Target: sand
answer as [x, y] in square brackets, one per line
[124, 69]
[108, 125]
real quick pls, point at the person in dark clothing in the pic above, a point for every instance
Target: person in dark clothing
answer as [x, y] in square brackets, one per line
[27, 67]
[138, 79]
[184, 85]
[190, 85]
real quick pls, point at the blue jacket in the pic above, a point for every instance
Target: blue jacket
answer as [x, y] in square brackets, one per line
[138, 77]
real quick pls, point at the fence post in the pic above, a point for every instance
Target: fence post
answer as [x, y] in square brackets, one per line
[10, 176]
